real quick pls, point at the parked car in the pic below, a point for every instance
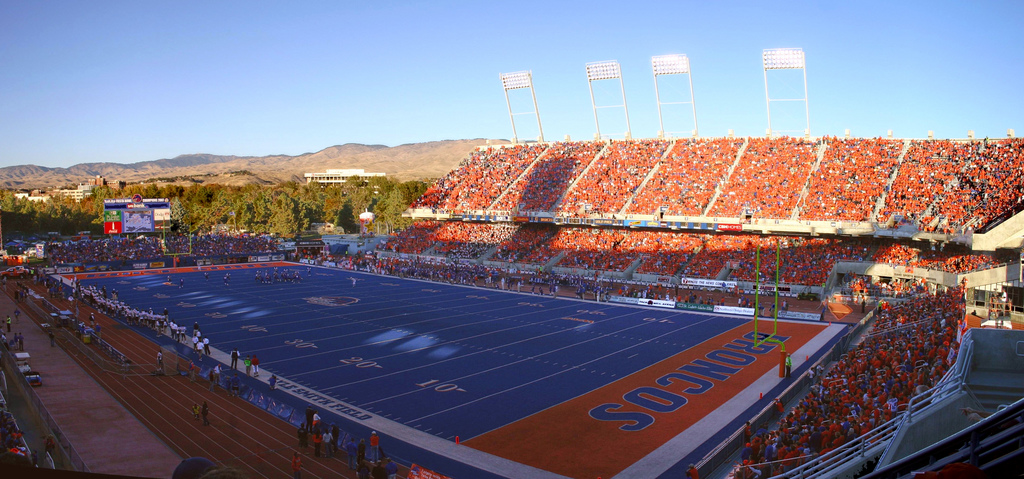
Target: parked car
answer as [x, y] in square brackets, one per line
[14, 271]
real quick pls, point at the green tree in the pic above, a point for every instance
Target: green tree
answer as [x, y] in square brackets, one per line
[284, 218]
[346, 218]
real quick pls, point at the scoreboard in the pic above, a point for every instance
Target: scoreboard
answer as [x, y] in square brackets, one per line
[135, 214]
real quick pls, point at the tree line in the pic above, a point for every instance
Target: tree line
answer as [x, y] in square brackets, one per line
[284, 209]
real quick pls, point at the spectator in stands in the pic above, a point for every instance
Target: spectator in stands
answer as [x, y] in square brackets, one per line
[686, 178]
[541, 186]
[768, 180]
[851, 178]
[612, 178]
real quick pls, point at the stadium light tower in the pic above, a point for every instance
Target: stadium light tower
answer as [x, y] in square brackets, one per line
[785, 59]
[672, 65]
[608, 70]
[515, 81]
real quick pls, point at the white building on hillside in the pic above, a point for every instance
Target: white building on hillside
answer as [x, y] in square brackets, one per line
[80, 193]
[338, 177]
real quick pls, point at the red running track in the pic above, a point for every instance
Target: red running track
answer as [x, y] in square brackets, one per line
[241, 435]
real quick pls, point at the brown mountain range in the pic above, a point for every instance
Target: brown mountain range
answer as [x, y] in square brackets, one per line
[404, 162]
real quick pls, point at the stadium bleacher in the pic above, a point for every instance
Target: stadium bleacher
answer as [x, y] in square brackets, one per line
[768, 179]
[610, 180]
[686, 179]
[148, 247]
[851, 177]
[543, 184]
[480, 179]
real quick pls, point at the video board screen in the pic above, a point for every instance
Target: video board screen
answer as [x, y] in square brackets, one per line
[137, 221]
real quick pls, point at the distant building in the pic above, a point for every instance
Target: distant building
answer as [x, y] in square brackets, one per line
[80, 193]
[101, 181]
[338, 177]
[35, 195]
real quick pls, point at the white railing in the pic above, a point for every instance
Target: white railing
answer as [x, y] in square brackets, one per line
[850, 454]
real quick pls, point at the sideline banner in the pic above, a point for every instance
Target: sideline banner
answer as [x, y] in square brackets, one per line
[707, 283]
[695, 307]
[800, 315]
[658, 303]
[624, 300]
[734, 310]
[420, 472]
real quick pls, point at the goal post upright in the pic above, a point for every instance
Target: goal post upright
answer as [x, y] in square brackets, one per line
[769, 338]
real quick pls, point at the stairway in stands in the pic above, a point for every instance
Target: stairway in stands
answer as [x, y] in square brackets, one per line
[522, 177]
[650, 175]
[725, 181]
[558, 204]
[807, 184]
[880, 203]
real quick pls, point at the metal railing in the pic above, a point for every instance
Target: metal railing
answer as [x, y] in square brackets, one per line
[25, 389]
[24, 443]
[994, 445]
[830, 464]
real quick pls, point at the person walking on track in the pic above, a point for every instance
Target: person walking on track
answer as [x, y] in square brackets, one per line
[296, 466]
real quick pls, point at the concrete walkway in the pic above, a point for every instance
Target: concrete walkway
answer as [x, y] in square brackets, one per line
[97, 425]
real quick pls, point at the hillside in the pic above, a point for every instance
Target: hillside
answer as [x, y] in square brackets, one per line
[403, 162]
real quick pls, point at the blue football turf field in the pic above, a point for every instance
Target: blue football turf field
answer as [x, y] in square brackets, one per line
[440, 358]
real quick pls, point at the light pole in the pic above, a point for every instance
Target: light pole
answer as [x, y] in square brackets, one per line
[673, 65]
[608, 70]
[785, 59]
[515, 81]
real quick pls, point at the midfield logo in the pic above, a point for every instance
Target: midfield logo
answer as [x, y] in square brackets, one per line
[332, 300]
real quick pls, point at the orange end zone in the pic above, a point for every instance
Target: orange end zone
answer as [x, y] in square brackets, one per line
[568, 440]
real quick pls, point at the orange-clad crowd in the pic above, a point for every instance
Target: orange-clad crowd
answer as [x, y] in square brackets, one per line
[768, 179]
[851, 178]
[686, 179]
[803, 260]
[542, 185]
[480, 179]
[940, 185]
[663, 252]
[810, 260]
[990, 183]
[470, 240]
[525, 240]
[613, 178]
[927, 168]
[592, 248]
[874, 381]
[415, 239]
[719, 250]
[952, 259]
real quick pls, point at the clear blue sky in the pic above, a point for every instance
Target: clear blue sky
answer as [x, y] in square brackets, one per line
[128, 81]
